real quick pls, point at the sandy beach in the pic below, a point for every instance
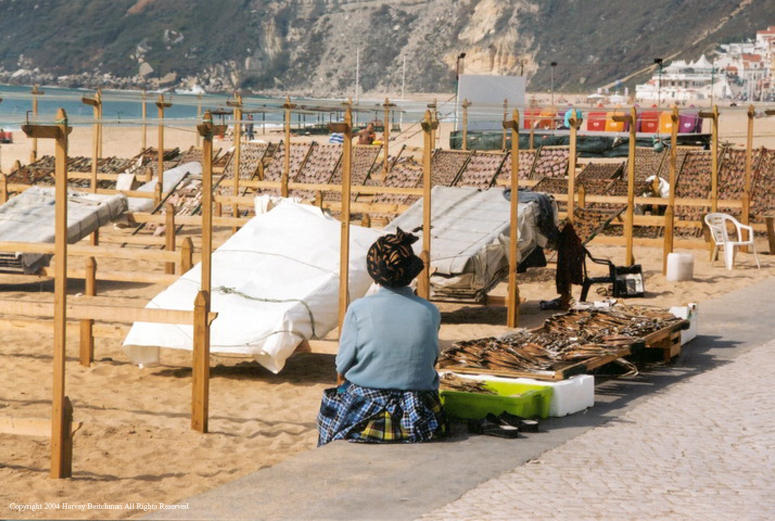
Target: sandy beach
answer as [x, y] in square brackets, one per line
[136, 446]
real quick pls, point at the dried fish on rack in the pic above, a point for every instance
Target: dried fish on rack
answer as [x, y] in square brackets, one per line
[451, 382]
[621, 323]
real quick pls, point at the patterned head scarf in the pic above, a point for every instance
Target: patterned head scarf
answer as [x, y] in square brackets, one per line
[391, 260]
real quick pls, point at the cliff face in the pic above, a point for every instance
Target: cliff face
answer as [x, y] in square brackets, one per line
[309, 46]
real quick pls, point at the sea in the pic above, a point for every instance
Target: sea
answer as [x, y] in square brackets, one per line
[125, 107]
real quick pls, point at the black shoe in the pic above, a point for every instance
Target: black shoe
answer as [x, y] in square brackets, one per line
[490, 428]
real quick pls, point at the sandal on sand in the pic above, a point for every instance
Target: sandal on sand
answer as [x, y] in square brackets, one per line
[489, 428]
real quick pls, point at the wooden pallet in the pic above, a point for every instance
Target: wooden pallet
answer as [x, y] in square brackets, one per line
[667, 339]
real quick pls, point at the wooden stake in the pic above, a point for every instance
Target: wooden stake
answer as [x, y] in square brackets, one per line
[3, 189]
[345, 128]
[631, 119]
[59, 456]
[582, 197]
[512, 300]
[96, 104]
[670, 210]
[87, 325]
[386, 138]
[287, 159]
[207, 130]
[424, 280]
[169, 235]
[574, 126]
[186, 255]
[161, 105]
[505, 115]
[35, 93]
[200, 372]
[235, 182]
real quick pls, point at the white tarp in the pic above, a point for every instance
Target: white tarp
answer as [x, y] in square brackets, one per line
[470, 236]
[172, 177]
[30, 217]
[275, 284]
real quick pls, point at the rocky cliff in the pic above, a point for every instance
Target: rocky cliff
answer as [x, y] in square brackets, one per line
[310, 46]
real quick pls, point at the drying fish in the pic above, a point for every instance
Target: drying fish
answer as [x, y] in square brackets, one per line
[451, 382]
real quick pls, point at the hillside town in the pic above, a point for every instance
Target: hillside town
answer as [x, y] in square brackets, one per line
[740, 71]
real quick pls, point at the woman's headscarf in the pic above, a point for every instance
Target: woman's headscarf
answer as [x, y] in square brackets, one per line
[391, 260]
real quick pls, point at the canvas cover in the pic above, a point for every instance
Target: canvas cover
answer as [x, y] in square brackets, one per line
[470, 238]
[275, 283]
[30, 217]
[172, 179]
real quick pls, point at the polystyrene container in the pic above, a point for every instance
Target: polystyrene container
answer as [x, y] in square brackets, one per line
[525, 400]
[680, 266]
[690, 312]
[568, 396]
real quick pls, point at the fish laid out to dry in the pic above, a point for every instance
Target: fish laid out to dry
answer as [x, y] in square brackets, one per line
[451, 382]
[564, 339]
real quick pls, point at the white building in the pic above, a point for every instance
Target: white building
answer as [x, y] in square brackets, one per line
[682, 81]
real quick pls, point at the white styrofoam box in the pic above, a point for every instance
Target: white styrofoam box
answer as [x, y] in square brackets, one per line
[690, 312]
[568, 396]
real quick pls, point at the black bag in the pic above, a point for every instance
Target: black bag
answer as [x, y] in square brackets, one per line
[628, 281]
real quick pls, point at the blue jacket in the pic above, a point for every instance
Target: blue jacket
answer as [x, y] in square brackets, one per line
[390, 340]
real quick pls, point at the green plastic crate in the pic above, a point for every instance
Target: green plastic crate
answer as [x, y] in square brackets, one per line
[533, 401]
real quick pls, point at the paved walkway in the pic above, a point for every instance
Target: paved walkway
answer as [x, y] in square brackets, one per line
[702, 449]
[687, 441]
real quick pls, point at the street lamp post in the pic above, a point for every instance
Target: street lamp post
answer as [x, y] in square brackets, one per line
[553, 64]
[658, 61]
[460, 56]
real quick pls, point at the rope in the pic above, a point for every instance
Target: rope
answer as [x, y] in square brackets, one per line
[224, 290]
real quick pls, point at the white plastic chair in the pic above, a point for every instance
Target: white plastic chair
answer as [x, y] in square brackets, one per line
[717, 222]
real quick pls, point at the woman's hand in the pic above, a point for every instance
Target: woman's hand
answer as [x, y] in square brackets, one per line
[339, 379]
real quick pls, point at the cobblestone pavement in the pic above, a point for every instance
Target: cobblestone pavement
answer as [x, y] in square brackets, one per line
[701, 449]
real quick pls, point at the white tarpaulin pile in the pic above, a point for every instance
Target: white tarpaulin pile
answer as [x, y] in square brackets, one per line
[275, 283]
[470, 237]
[172, 179]
[30, 217]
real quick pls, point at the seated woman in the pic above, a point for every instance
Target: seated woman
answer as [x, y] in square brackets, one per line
[388, 348]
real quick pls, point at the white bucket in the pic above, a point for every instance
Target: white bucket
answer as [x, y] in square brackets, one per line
[680, 266]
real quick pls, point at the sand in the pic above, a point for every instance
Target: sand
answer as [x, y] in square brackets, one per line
[136, 445]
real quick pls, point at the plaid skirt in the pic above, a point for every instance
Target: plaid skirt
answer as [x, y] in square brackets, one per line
[368, 415]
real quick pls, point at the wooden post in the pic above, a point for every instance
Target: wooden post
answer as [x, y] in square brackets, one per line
[3, 189]
[424, 281]
[574, 126]
[87, 325]
[200, 372]
[386, 138]
[186, 255]
[145, 124]
[201, 362]
[96, 104]
[287, 159]
[345, 128]
[237, 105]
[512, 300]
[466, 104]
[161, 104]
[35, 93]
[169, 235]
[207, 130]
[630, 213]
[582, 197]
[59, 457]
[670, 210]
[157, 194]
[99, 122]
